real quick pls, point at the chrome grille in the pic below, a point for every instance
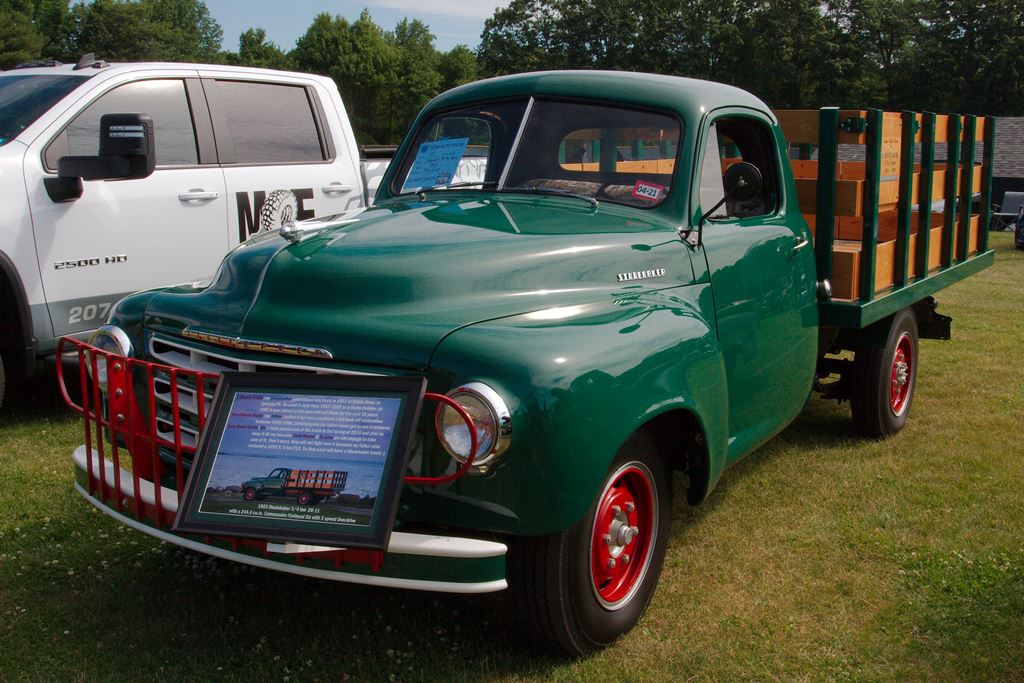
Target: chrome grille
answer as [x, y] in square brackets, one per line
[180, 355]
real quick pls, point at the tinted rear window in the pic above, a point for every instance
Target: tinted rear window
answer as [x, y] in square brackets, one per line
[270, 123]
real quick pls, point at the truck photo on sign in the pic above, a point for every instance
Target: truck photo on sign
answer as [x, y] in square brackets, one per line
[302, 458]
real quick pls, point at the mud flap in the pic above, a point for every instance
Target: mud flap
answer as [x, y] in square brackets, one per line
[931, 324]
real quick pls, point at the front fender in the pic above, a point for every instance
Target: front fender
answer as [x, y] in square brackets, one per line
[578, 381]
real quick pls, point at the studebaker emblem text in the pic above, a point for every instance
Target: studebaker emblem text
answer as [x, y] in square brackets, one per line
[641, 274]
[253, 345]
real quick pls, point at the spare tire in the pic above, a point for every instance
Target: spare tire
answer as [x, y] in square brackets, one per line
[280, 206]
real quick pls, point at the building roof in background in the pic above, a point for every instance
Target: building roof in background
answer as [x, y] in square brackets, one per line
[1009, 147]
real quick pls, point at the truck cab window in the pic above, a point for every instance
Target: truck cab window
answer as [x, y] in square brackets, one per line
[463, 146]
[731, 140]
[606, 152]
[164, 100]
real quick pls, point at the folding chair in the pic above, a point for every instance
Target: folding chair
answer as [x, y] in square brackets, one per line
[1006, 215]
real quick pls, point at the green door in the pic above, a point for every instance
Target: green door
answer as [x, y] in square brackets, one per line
[762, 276]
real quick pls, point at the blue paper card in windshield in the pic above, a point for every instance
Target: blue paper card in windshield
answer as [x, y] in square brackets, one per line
[435, 163]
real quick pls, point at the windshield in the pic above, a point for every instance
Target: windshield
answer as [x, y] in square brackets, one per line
[590, 151]
[24, 98]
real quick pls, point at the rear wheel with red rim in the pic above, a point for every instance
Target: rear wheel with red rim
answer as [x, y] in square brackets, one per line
[581, 589]
[884, 379]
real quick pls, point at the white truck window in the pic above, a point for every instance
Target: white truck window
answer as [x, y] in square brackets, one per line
[164, 100]
[270, 123]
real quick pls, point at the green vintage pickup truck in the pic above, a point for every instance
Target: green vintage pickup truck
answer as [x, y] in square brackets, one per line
[630, 288]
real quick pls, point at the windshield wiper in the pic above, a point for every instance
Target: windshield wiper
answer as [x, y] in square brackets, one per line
[422, 192]
[552, 190]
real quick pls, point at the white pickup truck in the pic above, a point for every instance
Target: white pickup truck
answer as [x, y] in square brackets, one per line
[236, 149]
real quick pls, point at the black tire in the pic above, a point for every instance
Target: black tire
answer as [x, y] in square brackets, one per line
[2, 380]
[249, 493]
[554, 578]
[280, 206]
[884, 380]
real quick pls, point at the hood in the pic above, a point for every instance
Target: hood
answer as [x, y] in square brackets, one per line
[385, 286]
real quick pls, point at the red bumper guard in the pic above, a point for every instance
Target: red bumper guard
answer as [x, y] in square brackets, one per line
[132, 425]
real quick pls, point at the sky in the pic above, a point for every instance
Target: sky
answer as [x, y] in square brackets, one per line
[451, 21]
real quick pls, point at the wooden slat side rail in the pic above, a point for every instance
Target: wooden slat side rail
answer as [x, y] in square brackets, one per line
[873, 227]
[847, 273]
[801, 126]
[849, 186]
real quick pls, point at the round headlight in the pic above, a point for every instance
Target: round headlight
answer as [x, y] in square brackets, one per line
[111, 339]
[490, 416]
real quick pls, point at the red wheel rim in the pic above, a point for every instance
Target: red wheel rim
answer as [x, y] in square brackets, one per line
[901, 375]
[625, 526]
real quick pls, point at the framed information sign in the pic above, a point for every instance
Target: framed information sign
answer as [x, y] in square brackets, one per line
[314, 458]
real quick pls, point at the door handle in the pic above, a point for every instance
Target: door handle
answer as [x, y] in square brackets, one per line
[801, 242]
[198, 195]
[336, 188]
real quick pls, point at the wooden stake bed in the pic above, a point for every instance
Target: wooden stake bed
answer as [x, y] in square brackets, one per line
[872, 242]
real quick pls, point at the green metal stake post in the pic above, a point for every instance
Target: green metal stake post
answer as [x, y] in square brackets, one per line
[988, 159]
[924, 192]
[966, 189]
[952, 168]
[872, 180]
[825, 198]
[905, 201]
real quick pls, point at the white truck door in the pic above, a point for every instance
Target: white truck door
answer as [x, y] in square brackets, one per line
[285, 148]
[123, 236]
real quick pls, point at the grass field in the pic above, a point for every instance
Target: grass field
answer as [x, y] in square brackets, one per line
[819, 557]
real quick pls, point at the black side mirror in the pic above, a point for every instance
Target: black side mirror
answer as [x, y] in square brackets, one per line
[742, 182]
[127, 152]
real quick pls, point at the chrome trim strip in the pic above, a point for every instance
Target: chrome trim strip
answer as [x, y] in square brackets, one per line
[257, 345]
[402, 543]
[370, 580]
[502, 422]
[265, 363]
[120, 337]
[515, 145]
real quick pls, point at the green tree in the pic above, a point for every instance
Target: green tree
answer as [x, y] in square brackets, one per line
[360, 59]
[457, 66]
[516, 38]
[684, 37]
[184, 30]
[19, 39]
[965, 60]
[321, 46]
[416, 75]
[255, 50]
[112, 30]
[370, 69]
[173, 30]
